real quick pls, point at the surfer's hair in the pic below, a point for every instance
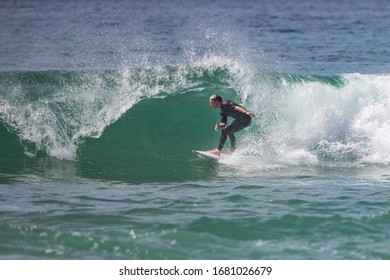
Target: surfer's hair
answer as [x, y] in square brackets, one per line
[216, 96]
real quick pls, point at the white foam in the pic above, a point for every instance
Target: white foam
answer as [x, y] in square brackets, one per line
[309, 121]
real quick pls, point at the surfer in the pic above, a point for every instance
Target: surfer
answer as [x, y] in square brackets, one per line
[242, 118]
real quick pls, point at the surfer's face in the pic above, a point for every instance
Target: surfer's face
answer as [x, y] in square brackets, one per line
[214, 103]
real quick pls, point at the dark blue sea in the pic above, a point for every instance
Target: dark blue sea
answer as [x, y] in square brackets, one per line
[102, 103]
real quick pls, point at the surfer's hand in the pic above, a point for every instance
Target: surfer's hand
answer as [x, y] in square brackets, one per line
[216, 127]
[250, 114]
[219, 125]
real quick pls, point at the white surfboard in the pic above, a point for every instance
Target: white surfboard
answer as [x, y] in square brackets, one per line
[207, 155]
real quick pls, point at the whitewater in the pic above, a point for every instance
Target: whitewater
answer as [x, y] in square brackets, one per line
[101, 105]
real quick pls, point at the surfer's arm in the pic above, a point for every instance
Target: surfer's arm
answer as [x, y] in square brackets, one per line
[242, 110]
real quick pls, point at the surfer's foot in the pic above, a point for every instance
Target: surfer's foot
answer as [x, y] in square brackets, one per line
[215, 152]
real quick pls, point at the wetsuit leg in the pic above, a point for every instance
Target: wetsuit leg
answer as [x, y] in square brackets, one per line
[232, 141]
[235, 126]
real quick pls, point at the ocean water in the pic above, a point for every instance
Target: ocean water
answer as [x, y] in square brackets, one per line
[102, 103]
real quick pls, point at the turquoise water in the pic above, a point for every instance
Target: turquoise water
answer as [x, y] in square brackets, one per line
[102, 103]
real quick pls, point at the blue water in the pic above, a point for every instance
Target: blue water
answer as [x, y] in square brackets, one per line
[101, 104]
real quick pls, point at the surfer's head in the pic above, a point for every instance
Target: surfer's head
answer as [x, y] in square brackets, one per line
[215, 101]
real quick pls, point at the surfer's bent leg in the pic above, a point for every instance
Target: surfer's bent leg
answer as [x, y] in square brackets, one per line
[222, 140]
[232, 142]
[235, 126]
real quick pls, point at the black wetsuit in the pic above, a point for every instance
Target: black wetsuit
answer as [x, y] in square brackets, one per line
[241, 121]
